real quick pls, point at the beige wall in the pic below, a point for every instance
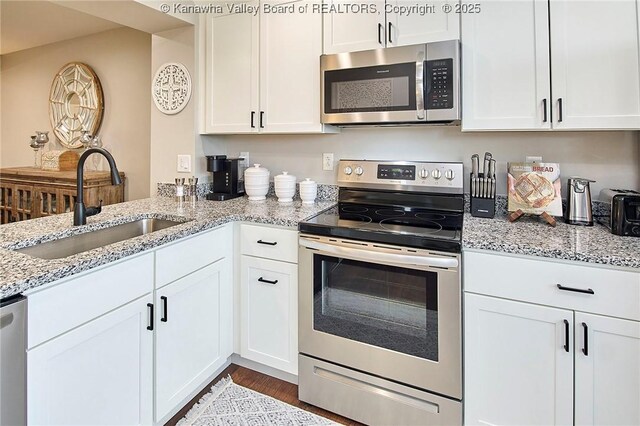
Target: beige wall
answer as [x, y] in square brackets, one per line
[610, 158]
[122, 60]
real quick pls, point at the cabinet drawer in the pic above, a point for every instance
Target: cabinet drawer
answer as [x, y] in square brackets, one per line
[271, 243]
[56, 310]
[610, 292]
[187, 255]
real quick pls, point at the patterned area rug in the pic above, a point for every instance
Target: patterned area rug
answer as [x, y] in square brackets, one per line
[231, 404]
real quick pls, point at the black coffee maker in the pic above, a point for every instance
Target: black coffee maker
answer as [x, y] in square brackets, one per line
[228, 180]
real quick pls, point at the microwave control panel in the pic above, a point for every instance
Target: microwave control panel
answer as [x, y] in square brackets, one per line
[440, 84]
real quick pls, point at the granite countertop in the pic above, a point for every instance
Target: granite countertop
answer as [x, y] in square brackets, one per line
[20, 272]
[532, 236]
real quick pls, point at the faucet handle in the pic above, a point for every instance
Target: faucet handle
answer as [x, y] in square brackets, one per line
[92, 211]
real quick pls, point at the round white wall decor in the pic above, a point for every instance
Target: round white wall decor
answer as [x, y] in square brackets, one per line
[171, 88]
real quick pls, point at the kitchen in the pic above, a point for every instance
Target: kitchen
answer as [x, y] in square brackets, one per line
[498, 345]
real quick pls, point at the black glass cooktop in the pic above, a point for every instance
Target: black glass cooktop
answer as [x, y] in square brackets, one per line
[404, 226]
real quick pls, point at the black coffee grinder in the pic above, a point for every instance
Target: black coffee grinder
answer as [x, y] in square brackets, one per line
[228, 181]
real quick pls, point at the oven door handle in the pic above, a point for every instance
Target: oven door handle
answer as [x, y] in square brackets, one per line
[382, 257]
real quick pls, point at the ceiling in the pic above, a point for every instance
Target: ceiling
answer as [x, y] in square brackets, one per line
[27, 24]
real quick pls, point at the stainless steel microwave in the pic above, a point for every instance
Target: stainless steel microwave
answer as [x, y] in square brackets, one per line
[397, 85]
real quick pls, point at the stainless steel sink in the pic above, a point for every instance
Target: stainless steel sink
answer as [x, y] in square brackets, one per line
[69, 246]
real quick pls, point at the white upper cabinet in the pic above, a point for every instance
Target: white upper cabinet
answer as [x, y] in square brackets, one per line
[595, 64]
[263, 70]
[231, 72]
[589, 50]
[350, 32]
[377, 24]
[607, 362]
[505, 66]
[406, 26]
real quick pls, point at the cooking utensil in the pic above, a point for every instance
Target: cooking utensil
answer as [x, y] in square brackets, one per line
[475, 164]
[485, 174]
[492, 177]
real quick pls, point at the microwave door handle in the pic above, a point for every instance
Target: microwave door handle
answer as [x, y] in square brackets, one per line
[382, 257]
[420, 89]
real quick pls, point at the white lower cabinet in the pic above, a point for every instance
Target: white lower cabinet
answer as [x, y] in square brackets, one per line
[517, 368]
[194, 333]
[607, 362]
[100, 373]
[269, 306]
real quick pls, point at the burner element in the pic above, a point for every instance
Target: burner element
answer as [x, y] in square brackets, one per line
[390, 212]
[396, 224]
[353, 209]
[431, 216]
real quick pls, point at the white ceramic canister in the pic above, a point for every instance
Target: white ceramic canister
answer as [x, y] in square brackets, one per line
[308, 191]
[256, 182]
[285, 187]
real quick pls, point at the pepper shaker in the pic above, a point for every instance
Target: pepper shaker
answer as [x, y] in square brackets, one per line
[193, 188]
[180, 189]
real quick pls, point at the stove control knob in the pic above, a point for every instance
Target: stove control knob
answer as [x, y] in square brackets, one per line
[424, 173]
[449, 174]
[359, 171]
[348, 170]
[436, 174]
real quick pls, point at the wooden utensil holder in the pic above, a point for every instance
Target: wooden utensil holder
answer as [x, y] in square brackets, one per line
[482, 206]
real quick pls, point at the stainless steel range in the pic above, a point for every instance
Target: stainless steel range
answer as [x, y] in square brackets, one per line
[380, 295]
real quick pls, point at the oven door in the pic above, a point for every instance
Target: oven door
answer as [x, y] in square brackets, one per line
[375, 86]
[388, 311]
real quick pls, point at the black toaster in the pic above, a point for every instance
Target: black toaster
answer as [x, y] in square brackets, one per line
[625, 211]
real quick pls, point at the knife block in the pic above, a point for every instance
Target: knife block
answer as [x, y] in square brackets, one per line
[481, 206]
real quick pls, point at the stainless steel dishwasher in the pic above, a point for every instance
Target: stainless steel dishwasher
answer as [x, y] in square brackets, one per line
[13, 372]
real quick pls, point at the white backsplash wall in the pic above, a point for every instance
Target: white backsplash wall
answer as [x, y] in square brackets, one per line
[610, 158]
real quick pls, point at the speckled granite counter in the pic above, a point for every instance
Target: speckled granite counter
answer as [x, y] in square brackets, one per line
[530, 236]
[19, 272]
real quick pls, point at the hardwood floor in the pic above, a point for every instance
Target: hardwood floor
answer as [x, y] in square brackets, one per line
[276, 388]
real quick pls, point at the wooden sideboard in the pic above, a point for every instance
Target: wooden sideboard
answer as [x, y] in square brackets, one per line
[29, 192]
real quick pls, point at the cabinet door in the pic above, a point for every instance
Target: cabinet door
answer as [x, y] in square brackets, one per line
[409, 22]
[518, 369]
[46, 201]
[23, 202]
[6, 202]
[231, 97]
[194, 334]
[269, 324]
[607, 360]
[595, 64]
[350, 30]
[505, 73]
[290, 49]
[99, 373]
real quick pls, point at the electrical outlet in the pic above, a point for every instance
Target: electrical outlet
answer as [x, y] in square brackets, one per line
[327, 161]
[245, 155]
[184, 163]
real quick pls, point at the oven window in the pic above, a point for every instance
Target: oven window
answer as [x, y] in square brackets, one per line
[370, 89]
[385, 306]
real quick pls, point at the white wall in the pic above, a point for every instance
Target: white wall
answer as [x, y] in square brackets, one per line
[610, 158]
[122, 60]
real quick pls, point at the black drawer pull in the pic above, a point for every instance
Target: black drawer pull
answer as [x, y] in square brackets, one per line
[150, 326]
[576, 290]
[165, 308]
[262, 280]
[566, 335]
[585, 347]
[268, 243]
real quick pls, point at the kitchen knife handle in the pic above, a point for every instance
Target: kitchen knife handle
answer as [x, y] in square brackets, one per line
[380, 28]
[559, 110]
[585, 347]
[576, 290]
[566, 335]
[544, 110]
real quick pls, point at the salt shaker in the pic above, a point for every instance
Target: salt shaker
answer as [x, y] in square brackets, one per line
[180, 189]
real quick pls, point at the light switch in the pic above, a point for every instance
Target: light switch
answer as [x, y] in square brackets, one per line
[184, 163]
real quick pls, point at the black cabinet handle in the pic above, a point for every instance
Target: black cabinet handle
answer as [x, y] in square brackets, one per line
[262, 280]
[268, 243]
[390, 31]
[380, 28]
[150, 326]
[253, 116]
[559, 110]
[262, 119]
[164, 308]
[544, 110]
[585, 347]
[576, 290]
[566, 335]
